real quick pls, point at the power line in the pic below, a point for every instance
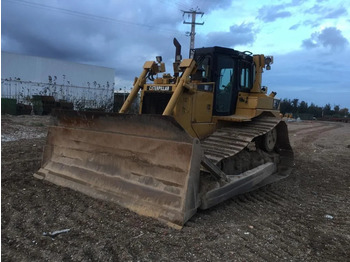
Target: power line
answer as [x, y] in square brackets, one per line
[204, 5]
[86, 15]
[178, 4]
[184, 6]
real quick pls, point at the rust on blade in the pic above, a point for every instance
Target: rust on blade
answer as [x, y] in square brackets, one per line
[146, 163]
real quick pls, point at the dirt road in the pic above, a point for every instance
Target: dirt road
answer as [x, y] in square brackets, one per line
[302, 218]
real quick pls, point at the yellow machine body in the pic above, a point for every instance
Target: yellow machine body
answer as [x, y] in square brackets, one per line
[203, 135]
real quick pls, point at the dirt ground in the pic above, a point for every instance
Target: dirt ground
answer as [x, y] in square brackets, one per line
[302, 218]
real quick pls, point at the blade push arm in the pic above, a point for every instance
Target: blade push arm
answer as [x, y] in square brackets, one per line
[188, 65]
[148, 66]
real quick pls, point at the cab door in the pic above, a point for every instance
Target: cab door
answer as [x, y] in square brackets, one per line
[226, 90]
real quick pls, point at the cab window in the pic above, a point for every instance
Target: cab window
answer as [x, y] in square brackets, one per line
[245, 82]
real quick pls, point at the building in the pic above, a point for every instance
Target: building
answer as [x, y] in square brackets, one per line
[86, 86]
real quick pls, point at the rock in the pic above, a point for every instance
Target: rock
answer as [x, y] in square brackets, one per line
[328, 216]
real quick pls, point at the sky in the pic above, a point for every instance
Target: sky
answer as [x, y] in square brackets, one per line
[309, 39]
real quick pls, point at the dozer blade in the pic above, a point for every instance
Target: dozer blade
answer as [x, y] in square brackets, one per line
[146, 163]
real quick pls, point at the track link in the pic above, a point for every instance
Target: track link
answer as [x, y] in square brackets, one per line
[226, 150]
[229, 141]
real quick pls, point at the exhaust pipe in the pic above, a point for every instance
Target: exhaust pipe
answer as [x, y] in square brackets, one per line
[178, 57]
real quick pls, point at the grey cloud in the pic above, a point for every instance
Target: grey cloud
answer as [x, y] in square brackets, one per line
[335, 13]
[316, 9]
[139, 30]
[111, 36]
[311, 23]
[328, 37]
[272, 13]
[333, 38]
[294, 27]
[309, 73]
[297, 2]
[326, 12]
[308, 43]
[238, 35]
[208, 6]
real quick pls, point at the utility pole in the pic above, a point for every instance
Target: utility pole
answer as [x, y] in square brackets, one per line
[193, 14]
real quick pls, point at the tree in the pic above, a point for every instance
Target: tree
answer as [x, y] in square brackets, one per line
[303, 107]
[286, 106]
[327, 110]
[344, 112]
[295, 105]
[314, 110]
[336, 109]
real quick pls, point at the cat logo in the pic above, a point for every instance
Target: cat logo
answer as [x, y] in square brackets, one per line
[159, 88]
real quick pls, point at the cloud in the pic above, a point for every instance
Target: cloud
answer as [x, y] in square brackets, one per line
[272, 13]
[124, 34]
[336, 13]
[209, 5]
[300, 74]
[118, 38]
[329, 37]
[332, 37]
[325, 12]
[242, 34]
[294, 27]
[308, 43]
[311, 23]
[315, 9]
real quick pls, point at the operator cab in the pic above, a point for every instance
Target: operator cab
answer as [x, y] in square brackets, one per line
[231, 70]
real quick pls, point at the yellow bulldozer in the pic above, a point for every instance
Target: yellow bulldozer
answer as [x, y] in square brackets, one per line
[206, 133]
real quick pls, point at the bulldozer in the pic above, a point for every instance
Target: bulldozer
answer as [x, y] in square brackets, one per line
[206, 133]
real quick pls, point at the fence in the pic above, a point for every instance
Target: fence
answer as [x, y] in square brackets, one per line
[93, 96]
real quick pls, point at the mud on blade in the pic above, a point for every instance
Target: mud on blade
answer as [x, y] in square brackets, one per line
[145, 163]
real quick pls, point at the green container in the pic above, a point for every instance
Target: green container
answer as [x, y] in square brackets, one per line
[37, 105]
[8, 106]
[43, 105]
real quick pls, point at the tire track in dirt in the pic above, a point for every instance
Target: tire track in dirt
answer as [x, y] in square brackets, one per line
[304, 134]
[261, 251]
[242, 206]
[271, 198]
[278, 228]
[256, 235]
[21, 161]
[304, 126]
[277, 225]
[268, 243]
[254, 205]
[285, 206]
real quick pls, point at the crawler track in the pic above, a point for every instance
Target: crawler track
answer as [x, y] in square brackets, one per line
[229, 141]
[226, 143]
[239, 162]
